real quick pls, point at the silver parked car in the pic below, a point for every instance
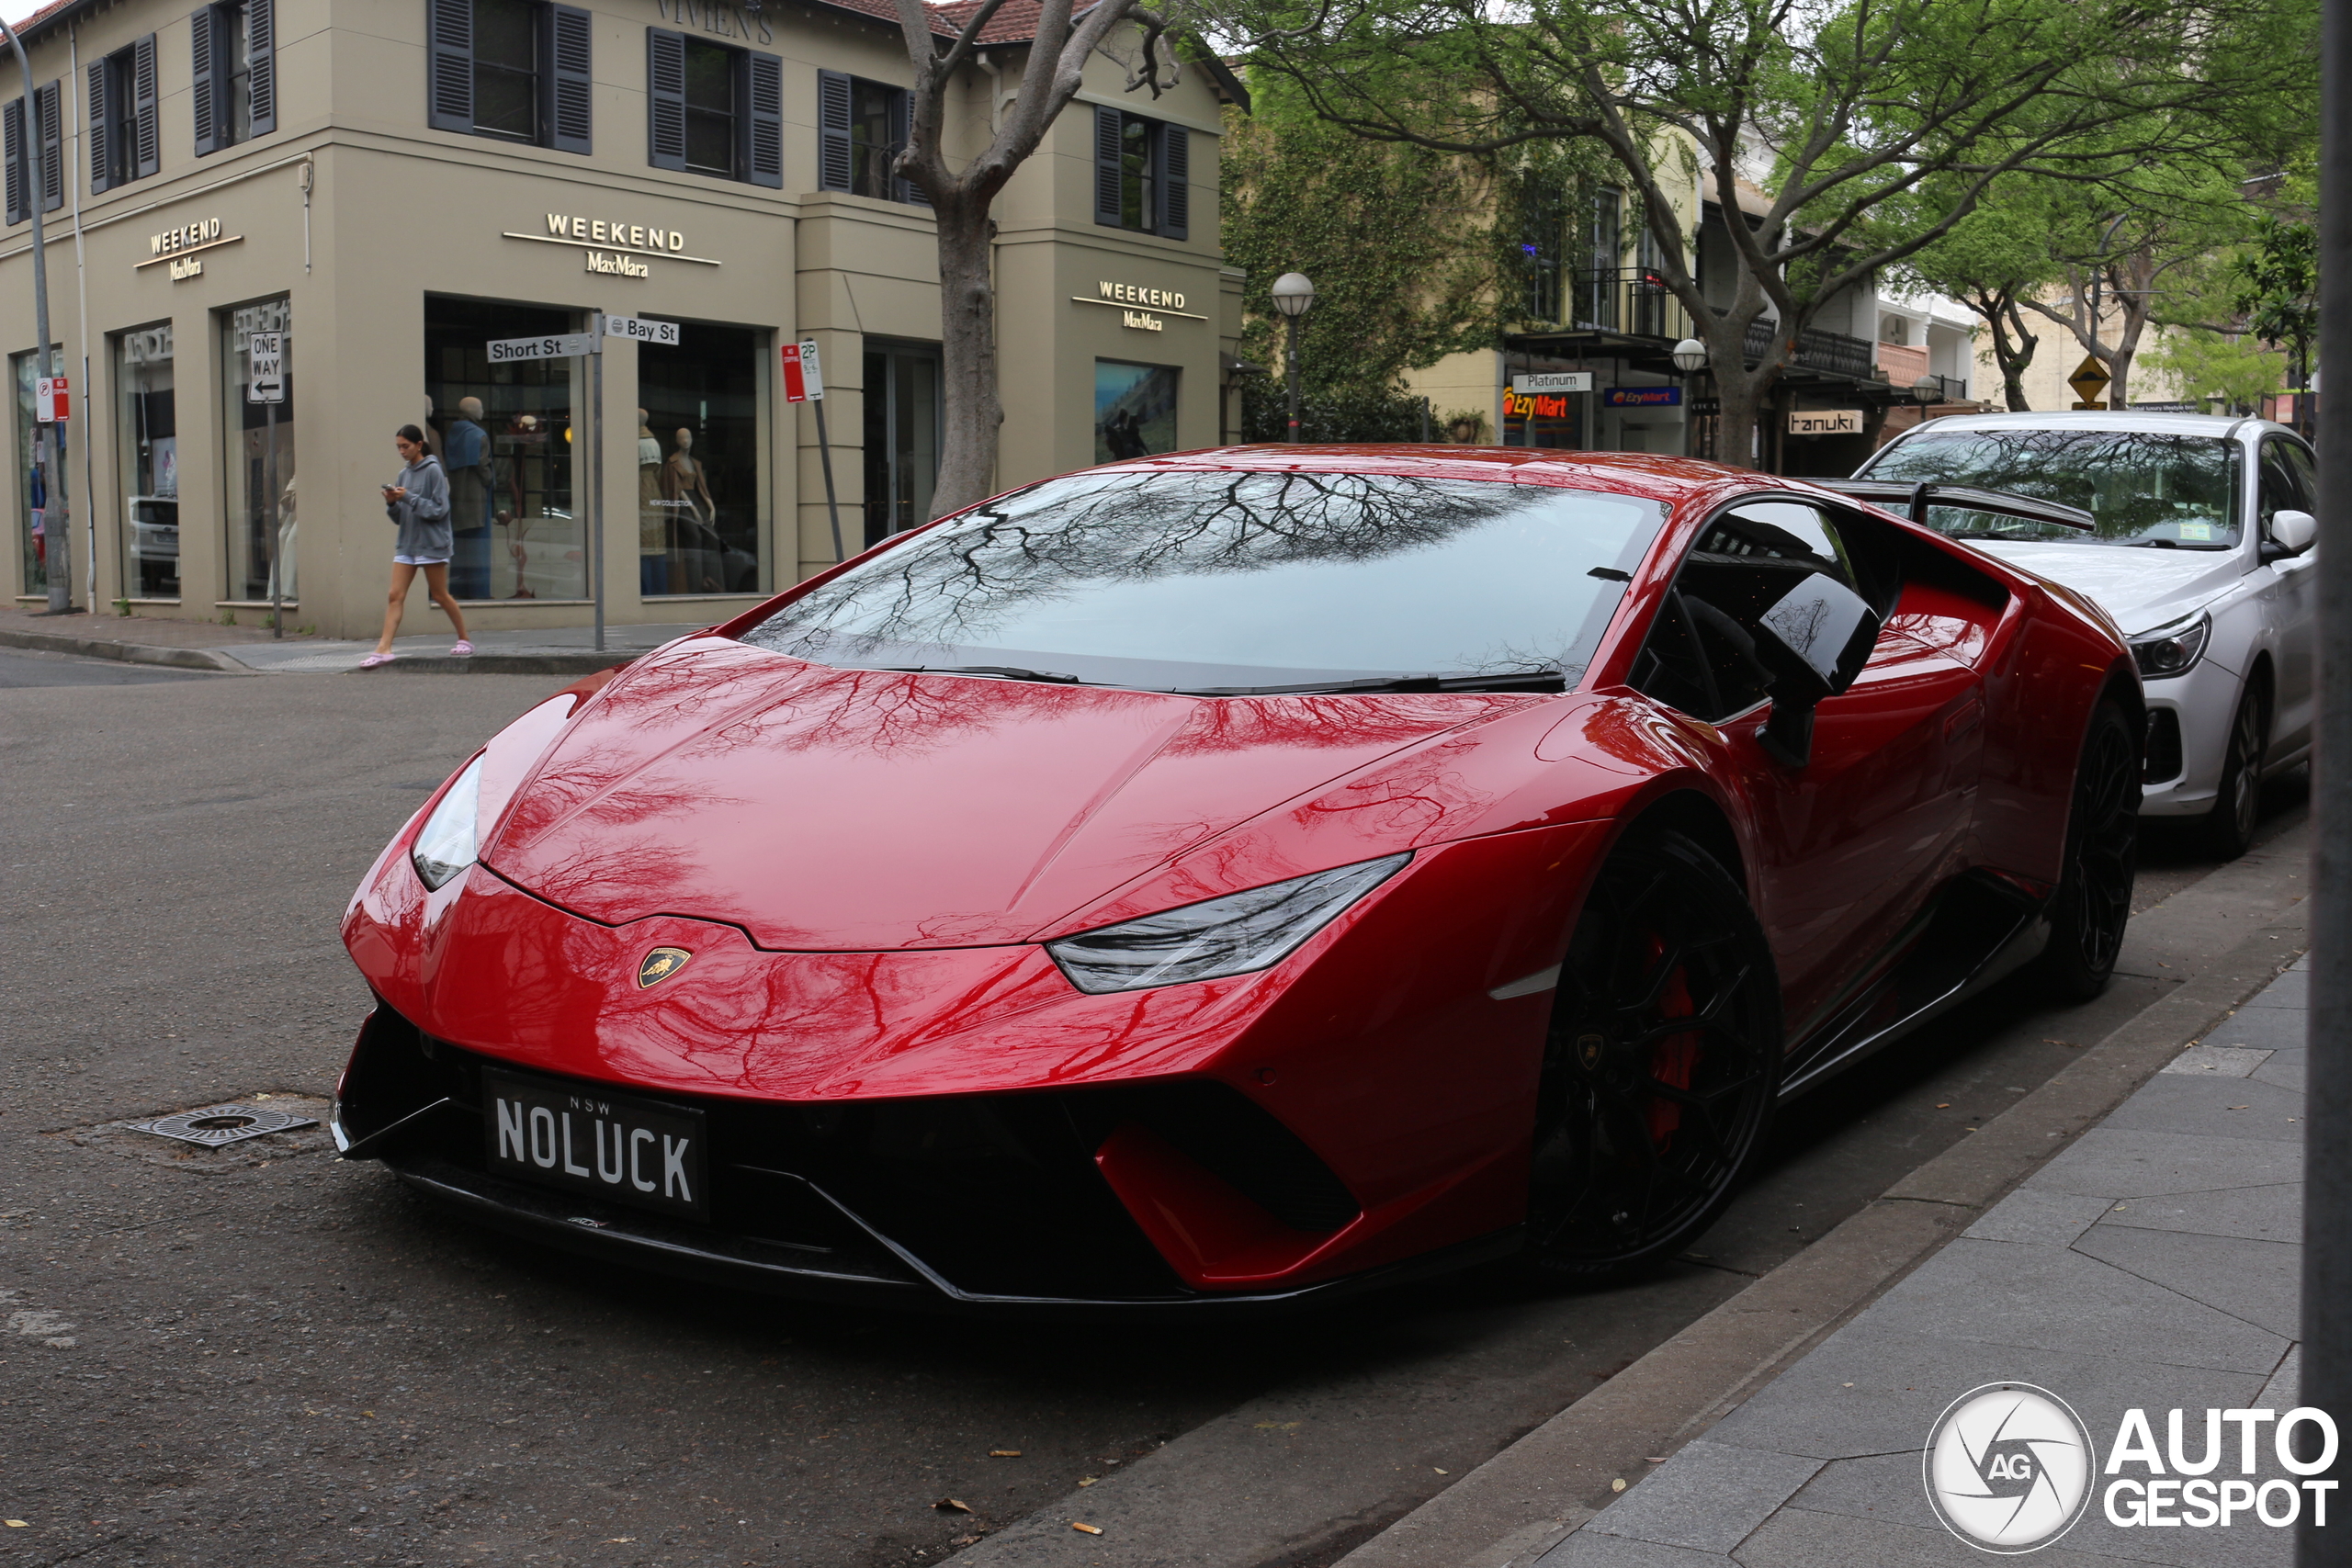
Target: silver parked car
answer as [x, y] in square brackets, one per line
[2202, 553]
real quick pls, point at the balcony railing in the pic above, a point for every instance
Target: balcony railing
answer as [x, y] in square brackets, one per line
[1816, 350]
[1634, 300]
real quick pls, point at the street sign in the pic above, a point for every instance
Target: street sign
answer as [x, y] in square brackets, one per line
[1553, 381]
[1824, 421]
[804, 380]
[2088, 380]
[642, 330]
[52, 400]
[265, 381]
[570, 345]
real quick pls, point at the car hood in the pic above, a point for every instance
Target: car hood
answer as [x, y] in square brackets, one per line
[2142, 589]
[856, 810]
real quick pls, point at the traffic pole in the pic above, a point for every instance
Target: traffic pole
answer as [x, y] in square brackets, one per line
[269, 516]
[825, 458]
[594, 458]
[57, 533]
[2327, 1148]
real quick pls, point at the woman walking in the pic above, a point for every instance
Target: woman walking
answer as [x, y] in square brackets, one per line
[418, 500]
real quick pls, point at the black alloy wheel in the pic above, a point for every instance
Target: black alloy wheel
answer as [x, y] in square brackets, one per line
[2093, 903]
[2229, 827]
[1662, 1065]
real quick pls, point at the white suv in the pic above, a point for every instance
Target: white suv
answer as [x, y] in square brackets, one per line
[2202, 554]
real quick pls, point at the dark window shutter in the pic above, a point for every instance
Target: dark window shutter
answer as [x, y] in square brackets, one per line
[449, 51]
[574, 86]
[833, 159]
[1106, 166]
[902, 130]
[1174, 218]
[261, 51]
[204, 86]
[764, 120]
[11, 152]
[665, 96]
[53, 150]
[101, 114]
[148, 151]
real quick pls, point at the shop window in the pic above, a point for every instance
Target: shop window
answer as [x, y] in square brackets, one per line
[123, 141]
[146, 435]
[1143, 172]
[1596, 291]
[16, 152]
[1135, 410]
[503, 434]
[31, 497]
[233, 85]
[516, 70]
[1543, 228]
[862, 127]
[903, 413]
[257, 458]
[714, 110]
[699, 499]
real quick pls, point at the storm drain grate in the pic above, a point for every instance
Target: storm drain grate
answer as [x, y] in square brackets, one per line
[218, 1124]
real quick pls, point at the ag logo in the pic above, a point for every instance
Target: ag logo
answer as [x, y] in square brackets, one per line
[1589, 1049]
[2008, 1467]
[660, 964]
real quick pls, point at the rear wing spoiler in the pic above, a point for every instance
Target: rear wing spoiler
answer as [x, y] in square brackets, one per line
[1915, 499]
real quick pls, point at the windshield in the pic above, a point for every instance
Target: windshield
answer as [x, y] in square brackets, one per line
[2146, 488]
[1228, 583]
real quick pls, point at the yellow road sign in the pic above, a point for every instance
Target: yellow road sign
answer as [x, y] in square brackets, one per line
[2089, 380]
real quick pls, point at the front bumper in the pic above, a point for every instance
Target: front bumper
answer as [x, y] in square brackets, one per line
[971, 1202]
[2201, 705]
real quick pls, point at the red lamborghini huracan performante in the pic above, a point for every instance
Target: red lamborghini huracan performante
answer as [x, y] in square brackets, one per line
[1242, 877]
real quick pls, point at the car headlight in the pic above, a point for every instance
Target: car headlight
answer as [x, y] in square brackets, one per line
[2173, 650]
[1231, 935]
[447, 846]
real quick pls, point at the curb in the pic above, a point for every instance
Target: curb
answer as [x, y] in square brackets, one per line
[1517, 1506]
[206, 659]
[501, 664]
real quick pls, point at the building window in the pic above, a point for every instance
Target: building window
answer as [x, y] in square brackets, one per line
[862, 128]
[903, 414]
[23, 180]
[1544, 231]
[1142, 175]
[699, 498]
[34, 499]
[1135, 410]
[714, 110]
[257, 456]
[1597, 297]
[234, 83]
[518, 69]
[123, 143]
[146, 435]
[504, 437]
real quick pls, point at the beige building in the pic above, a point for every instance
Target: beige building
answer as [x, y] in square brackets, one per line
[398, 184]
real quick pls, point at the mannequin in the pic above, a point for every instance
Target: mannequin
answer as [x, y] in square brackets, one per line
[652, 548]
[465, 457]
[688, 494]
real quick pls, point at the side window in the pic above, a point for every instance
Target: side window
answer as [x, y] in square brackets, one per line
[1143, 174]
[1701, 655]
[123, 141]
[862, 127]
[515, 70]
[2284, 482]
[17, 142]
[232, 84]
[713, 109]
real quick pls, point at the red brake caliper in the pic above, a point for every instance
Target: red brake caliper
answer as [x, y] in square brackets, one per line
[1674, 1059]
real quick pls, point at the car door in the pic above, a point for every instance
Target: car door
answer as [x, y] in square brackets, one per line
[2290, 480]
[1851, 845]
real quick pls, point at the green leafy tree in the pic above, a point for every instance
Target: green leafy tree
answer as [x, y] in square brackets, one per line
[2278, 292]
[1993, 261]
[2205, 364]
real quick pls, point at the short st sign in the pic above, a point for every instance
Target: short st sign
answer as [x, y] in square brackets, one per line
[266, 382]
[1641, 397]
[1824, 421]
[1552, 381]
[804, 378]
[52, 400]
[568, 345]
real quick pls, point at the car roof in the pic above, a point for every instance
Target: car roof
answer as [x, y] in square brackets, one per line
[2110, 419]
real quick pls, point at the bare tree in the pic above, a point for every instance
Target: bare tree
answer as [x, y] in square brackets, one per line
[961, 201]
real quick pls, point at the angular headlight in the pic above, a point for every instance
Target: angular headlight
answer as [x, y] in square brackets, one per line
[1231, 935]
[447, 846]
[2173, 650]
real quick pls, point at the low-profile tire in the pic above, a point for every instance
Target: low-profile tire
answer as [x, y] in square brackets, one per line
[1661, 1068]
[2229, 827]
[2093, 903]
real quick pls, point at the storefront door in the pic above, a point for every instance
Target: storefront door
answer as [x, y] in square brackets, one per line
[902, 420]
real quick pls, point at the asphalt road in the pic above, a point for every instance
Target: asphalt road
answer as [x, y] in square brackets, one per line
[260, 1354]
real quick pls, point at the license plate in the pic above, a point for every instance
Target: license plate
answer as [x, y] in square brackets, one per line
[615, 1146]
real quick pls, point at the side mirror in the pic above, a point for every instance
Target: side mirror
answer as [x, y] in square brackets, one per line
[2293, 531]
[1817, 638]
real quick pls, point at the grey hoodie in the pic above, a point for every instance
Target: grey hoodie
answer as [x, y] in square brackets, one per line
[424, 514]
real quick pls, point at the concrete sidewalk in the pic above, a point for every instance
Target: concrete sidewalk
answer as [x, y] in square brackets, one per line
[250, 650]
[2153, 1264]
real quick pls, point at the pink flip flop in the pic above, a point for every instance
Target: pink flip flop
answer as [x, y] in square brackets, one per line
[374, 659]
[461, 649]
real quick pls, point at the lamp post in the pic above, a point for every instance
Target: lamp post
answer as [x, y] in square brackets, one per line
[57, 533]
[1690, 358]
[1927, 389]
[1294, 297]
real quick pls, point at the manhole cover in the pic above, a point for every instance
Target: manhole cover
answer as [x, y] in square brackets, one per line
[218, 1124]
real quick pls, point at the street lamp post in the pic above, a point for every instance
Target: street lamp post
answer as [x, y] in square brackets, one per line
[1690, 358]
[1294, 297]
[57, 533]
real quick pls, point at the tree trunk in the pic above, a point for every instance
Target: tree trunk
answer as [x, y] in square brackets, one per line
[1743, 395]
[967, 354]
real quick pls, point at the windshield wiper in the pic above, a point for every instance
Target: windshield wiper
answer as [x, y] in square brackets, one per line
[1510, 681]
[1004, 672]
